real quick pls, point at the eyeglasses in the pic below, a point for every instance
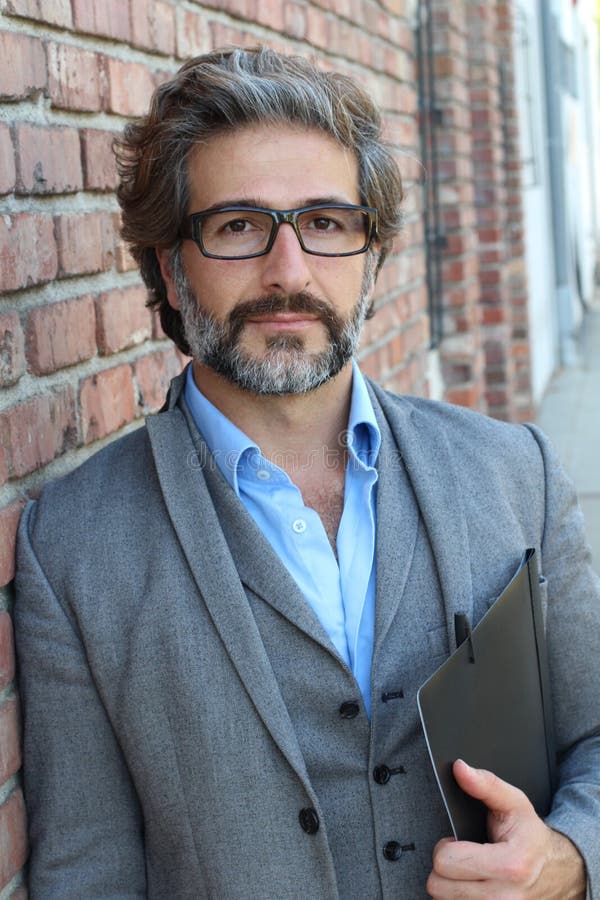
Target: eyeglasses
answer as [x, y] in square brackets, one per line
[242, 232]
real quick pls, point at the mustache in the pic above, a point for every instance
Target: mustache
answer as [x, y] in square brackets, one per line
[301, 302]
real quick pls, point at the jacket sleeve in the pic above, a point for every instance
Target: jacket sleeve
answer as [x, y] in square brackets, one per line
[85, 823]
[573, 633]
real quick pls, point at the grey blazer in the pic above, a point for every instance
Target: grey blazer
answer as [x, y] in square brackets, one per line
[189, 729]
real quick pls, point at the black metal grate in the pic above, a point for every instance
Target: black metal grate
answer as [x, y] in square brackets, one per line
[430, 119]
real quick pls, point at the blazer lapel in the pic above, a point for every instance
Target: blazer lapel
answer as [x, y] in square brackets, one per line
[269, 579]
[397, 524]
[199, 531]
[431, 468]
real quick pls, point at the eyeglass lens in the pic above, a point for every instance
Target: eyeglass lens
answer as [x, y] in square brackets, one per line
[242, 232]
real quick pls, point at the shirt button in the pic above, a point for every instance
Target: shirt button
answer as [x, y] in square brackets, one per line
[349, 709]
[309, 820]
[392, 851]
[381, 774]
[299, 526]
[263, 474]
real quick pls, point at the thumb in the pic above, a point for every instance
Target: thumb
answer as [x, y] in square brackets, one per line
[499, 796]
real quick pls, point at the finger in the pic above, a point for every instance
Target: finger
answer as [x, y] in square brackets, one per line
[439, 888]
[462, 860]
[499, 796]
[443, 841]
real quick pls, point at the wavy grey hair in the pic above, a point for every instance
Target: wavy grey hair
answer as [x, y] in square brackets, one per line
[221, 91]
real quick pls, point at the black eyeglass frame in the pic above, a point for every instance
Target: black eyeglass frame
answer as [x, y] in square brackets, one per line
[192, 228]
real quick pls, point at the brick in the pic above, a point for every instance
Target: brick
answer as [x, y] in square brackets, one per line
[193, 34]
[10, 749]
[75, 80]
[153, 374]
[9, 520]
[107, 402]
[7, 650]
[12, 357]
[85, 242]
[460, 269]
[36, 431]
[27, 250]
[13, 837]
[123, 320]
[223, 35]
[242, 9]
[317, 28]
[48, 160]
[124, 261]
[8, 173]
[60, 334]
[110, 18]
[369, 363]
[294, 18]
[22, 66]
[466, 396]
[270, 13]
[153, 26]
[343, 40]
[99, 165]
[404, 132]
[52, 12]
[163, 28]
[130, 87]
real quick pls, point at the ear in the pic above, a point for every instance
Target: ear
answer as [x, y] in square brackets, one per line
[162, 255]
[380, 256]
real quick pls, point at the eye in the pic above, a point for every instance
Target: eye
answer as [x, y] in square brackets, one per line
[237, 226]
[325, 224]
[322, 223]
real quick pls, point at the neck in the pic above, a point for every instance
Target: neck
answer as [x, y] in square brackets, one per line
[291, 430]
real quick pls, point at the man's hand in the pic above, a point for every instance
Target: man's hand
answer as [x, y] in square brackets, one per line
[525, 860]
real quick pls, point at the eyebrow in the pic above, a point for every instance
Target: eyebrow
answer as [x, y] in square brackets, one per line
[243, 202]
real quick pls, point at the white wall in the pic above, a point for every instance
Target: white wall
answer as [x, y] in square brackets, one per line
[530, 84]
[555, 314]
[576, 32]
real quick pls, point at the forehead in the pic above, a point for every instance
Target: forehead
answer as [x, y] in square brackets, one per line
[273, 166]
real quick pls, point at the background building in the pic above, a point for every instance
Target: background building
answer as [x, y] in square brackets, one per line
[493, 108]
[556, 56]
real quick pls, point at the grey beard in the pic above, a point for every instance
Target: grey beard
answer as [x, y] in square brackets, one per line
[285, 367]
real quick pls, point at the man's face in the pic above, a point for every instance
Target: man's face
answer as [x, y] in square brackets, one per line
[287, 321]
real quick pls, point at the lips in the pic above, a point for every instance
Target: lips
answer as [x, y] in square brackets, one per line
[283, 320]
[282, 317]
[278, 313]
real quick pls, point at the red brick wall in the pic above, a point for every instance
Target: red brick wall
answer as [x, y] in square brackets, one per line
[490, 204]
[520, 388]
[461, 353]
[81, 360]
[484, 353]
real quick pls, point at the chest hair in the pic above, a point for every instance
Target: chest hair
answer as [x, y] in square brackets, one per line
[327, 500]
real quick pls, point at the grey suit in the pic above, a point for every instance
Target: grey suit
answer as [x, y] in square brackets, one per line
[183, 733]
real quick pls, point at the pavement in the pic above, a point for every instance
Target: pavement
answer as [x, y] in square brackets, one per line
[570, 416]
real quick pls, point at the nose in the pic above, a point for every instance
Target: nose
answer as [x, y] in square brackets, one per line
[286, 267]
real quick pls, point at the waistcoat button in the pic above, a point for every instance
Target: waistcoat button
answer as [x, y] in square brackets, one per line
[381, 775]
[349, 709]
[392, 851]
[309, 820]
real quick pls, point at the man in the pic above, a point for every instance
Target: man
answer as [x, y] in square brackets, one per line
[223, 618]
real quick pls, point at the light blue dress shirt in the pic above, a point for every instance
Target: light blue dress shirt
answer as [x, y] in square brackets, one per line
[341, 591]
